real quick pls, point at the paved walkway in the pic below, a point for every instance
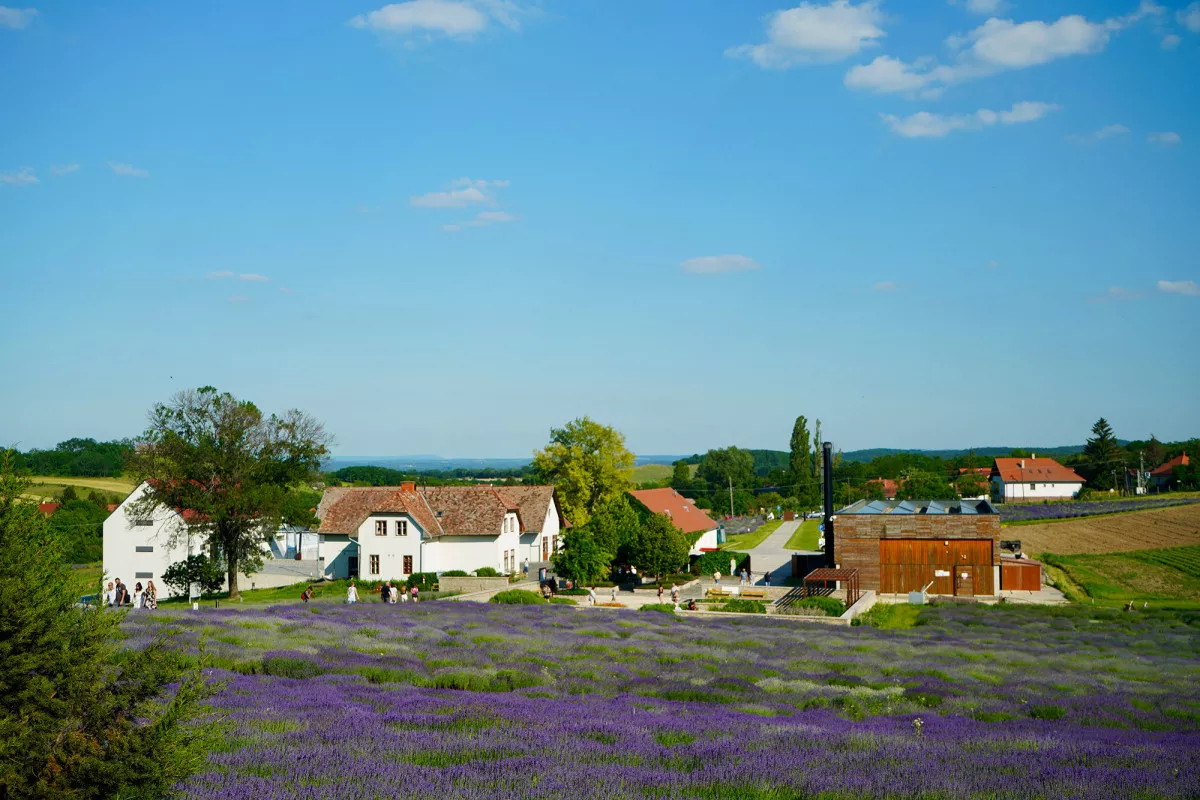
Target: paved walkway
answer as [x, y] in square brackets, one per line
[773, 556]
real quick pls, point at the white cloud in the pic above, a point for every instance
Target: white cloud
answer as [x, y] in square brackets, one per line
[1170, 41]
[711, 265]
[924, 124]
[454, 18]
[65, 169]
[219, 276]
[22, 177]
[238, 298]
[981, 6]
[128, 169]
[1107, 132]
[253, 276]
[1190, 288]
[16, 18]
[286, 290]
[1190, 17]
[1117, 294]
[884, 286]
[815, 33]
[995, 46]
[462, 192]
[1164, 138]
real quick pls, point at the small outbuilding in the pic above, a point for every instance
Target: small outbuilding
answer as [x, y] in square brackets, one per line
[900, 546]
[1020, 574]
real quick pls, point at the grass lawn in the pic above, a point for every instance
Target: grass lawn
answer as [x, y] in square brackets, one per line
[806, 536]
[1164, 578]
[652, 473]
[750, 540]
[51, 486]
[323, 591]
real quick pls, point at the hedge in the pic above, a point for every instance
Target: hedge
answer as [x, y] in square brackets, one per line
[487, 572]
[455, 573]
[718, 561]
[517, 597]
[742, 606]
[664, 608]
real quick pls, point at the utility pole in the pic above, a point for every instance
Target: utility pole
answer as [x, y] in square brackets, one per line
[731, 513]
[1141, 487]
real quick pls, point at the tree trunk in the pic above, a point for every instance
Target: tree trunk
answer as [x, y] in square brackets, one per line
[232, 575]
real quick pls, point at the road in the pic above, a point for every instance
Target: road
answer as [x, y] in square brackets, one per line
[773, 556]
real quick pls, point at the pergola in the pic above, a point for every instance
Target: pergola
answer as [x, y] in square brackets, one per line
[825, 575]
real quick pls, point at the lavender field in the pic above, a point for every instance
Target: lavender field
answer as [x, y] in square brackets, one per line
[1032, 512]
[450, 700]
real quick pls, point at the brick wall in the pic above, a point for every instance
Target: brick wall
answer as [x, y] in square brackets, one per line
[856, 536]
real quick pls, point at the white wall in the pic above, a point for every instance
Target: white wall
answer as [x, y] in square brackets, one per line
[123, 538]
[707, 540]
[336, 551]
[1020, 492]
[391, 548]
[531, 544]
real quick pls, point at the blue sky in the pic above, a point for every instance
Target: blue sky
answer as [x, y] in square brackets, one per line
[443, 227]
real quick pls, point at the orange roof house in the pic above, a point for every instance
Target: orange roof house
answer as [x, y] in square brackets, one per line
[1033, 478]
[890, 487]
[699, 528]
[1165, 470]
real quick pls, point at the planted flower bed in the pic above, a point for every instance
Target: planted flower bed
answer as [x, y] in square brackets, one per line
[480, 701]
[1016, 512]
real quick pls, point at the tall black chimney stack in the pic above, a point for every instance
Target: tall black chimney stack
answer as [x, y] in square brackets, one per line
[827, 460]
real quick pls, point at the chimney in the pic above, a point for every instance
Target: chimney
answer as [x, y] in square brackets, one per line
[1033, 456]
[827, 462]
[1021, 463]
[408, 486]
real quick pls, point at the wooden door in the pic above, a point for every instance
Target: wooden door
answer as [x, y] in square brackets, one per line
[545, 549]
[964, 580]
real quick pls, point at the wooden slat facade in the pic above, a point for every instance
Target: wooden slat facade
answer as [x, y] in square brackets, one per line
[1021, 575]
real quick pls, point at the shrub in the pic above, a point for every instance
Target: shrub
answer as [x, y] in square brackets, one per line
[455, 573]
[576, 592]
[291, 667]
[562, 601]
[517, 597]
[718, 561]
[830, 605]
[197, 569]
[739, 605]
[486, 572]
[665, 608]
[1047, 712]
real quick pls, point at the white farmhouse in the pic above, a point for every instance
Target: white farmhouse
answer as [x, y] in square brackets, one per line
[1016, 480]
[394, 531]
[697, 526]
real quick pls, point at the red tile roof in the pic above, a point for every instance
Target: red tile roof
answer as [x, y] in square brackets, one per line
[469, 510]
[889, 487]
[47, 508]
[683, 512]
[343, 508]
[534, 503]
[439, 510]
[976, 470]
[1165, 470]
[1033, 470]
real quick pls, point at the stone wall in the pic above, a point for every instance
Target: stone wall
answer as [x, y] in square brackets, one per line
[471, 584]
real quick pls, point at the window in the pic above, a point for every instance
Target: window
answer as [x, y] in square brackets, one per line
[144, 548]
[381, 527]
[506, 561]
[143, 523]
[375, 564]
[143, 575]
[408, 565]
[1033, 487]
[553, 544]
[402, 527]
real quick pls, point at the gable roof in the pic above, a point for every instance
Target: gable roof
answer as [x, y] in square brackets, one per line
[534, 504]
[343, 508]
[1033, 470]
[890, 487]
[683, 512]
[1165, 470]
[469, 510]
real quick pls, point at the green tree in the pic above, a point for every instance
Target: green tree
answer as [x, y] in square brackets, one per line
[198, 569]
[719, 467]
[972, 484]
[588, 464]
[1155, 455]
[1104, 455]
[79, 718]
[581, 558]
[81, 525]
[921, 485]
[803, 474]
[660, 547]
[234, 467]
[681, 477]
[615, 526]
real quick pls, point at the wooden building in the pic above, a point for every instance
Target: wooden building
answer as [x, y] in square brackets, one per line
[952, 546]
[1020, 575]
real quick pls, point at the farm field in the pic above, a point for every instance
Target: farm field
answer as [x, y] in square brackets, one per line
[651, 473]
[748, 541]
[49, 487]
[1141, 530]
[1029, 513]
[450, 700]
[1162, 578]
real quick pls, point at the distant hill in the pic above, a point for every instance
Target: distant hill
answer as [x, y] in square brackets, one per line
[876, 452]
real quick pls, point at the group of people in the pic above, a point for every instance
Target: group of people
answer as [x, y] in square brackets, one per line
[387, 594]
[745, 578]
[118, 594]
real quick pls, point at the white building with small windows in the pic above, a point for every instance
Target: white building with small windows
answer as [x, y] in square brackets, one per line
[394, 531]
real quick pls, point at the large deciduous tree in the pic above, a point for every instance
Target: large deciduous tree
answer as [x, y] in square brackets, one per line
[230, 468]
[615, 526]
[921, 485]
[732, 464]
[581, 558]
[588, 464]
[660, 547]
[80, 719]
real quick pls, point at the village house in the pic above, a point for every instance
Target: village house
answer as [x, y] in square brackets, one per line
[887, 485]
[1016, 480]
[1162, 475]
[393, 531]
[697, 526]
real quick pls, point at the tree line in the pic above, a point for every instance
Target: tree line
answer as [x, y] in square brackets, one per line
[76, 458]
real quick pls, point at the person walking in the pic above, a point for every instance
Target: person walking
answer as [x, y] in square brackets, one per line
[674, 594]
[138, 595]
[385, 592]
[525, 567]
[660, 592]
[110, 596]
[592, 595]
[613, 594]
[415, 594]
[151, 601]
[717, 578]
[121, 595]
[767, 577]
[351, 594]
[400, 590]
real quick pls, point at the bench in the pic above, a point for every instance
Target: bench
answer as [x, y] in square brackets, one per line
[717, 592]
[758, 594]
